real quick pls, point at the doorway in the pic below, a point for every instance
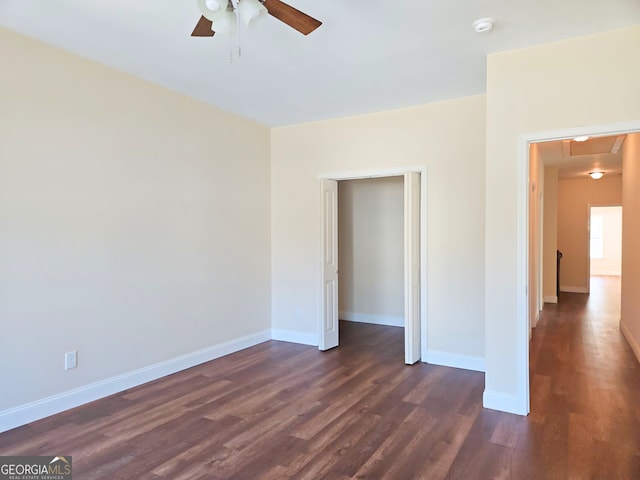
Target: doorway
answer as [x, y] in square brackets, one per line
[370, 250]
[521, 404]
[414, 203]
[605, 241]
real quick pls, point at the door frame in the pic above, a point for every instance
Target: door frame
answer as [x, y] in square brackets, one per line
[522, 247]
[392, 172]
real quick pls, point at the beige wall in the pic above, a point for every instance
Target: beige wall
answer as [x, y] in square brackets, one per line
[575, 196]
[448, 139]
[371, 249]
[550, 234]
[582, 81]
[135, 222]
[630, 319]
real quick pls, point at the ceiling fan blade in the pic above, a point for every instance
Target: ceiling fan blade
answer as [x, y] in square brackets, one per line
[203, 28]
[292, 16]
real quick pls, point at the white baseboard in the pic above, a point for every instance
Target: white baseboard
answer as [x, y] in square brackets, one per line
[23, 414]
[446, 359]
[294, 337]
[633, 343]
[550, 299]
[388, 320]
[570, 289]
[606, 273]
[502, 402]
[534, 324]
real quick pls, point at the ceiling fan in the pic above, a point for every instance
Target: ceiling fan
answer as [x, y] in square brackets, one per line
[220, 15]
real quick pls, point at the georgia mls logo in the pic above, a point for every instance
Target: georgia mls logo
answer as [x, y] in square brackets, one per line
[35, 468]
[59, 465]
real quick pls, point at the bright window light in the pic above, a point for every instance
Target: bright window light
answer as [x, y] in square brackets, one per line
[597, 236]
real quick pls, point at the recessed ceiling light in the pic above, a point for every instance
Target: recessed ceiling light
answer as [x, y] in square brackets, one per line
[596, 175]
[483, 25]
[581, 138]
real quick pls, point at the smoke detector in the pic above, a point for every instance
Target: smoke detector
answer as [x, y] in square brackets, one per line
[483, 25]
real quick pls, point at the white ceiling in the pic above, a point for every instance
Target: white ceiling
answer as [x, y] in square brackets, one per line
[367, 56]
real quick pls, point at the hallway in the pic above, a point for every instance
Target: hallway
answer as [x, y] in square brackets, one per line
[585, 387]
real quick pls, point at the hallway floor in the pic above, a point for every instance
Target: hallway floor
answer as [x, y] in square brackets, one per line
[585, 388]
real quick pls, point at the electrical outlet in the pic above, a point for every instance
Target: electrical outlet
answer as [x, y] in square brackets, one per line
[298, 314]
[70, 360]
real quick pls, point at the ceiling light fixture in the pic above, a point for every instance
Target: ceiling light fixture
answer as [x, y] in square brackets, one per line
[581, 138]
[225, 15]
[483, 25]
[596, 175]
[247, 10]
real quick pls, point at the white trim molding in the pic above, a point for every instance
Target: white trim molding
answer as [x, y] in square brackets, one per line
[635, 346]
[571, 289]
[387, 320]
[447, 359]
[373, 173]
[536, 320]
[390, 172]
[294, 337]
[503, 402]
[550, 299]
[614, 272]
[520, 402]
[523, 326]
[30, 412]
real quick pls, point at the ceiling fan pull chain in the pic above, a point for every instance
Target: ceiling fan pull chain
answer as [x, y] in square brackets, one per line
[238, 30]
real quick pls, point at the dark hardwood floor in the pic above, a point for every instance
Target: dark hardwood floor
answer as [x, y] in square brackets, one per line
[279, 410]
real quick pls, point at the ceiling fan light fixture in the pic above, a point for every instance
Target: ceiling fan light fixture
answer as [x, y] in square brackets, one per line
[225, 16]
[596, 175]
[226, 24]
[251, 10]
[214, 5]
[210, 14]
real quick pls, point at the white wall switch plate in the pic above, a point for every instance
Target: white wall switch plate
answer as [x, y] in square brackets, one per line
[70, 360]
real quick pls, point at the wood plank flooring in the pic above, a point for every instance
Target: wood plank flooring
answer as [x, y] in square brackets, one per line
[286, 411]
